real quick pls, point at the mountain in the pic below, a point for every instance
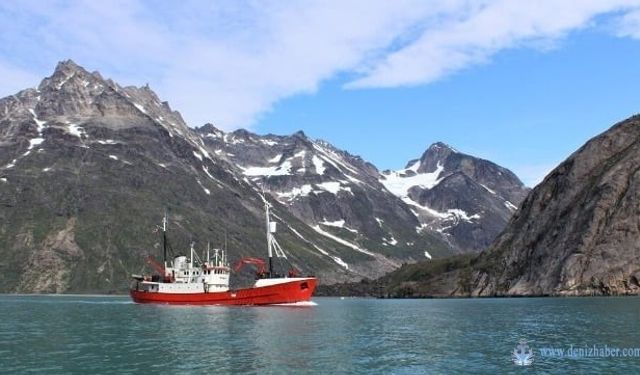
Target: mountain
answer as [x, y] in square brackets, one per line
[88, 167]
[577, 233]
[467, 199]
[336, 194]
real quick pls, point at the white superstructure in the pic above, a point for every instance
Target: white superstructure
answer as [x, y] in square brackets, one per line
[191, 275]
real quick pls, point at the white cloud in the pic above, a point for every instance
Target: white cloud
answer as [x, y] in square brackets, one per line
[290, 51]
[230, 62]
[470, 37]
[628, 25]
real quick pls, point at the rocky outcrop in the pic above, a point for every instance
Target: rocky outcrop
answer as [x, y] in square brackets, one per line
[577, 233]
[48, 269]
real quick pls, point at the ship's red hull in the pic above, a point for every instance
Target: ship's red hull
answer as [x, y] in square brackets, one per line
[286, 292]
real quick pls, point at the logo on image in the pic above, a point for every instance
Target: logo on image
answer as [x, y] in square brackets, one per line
[522, 355]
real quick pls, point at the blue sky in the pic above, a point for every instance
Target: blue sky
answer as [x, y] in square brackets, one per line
[523, 84]
[527, 110]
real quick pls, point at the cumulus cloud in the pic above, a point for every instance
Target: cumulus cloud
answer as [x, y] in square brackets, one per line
[230, 62]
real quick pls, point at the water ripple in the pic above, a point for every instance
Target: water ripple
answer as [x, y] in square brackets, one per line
[110, 335]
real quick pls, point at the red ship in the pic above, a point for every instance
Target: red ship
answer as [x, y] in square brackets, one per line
[192, 281]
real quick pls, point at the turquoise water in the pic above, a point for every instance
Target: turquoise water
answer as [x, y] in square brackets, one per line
[94, 334]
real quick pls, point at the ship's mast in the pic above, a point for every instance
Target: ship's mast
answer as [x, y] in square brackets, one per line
[269, 236]
[191, 256]
[164, 239]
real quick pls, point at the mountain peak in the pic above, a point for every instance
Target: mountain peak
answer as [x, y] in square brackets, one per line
[300, 134]
[208, 128]
[68, 68]
[65, 71]
[73, 94]
[68, 65]
[435, 155]
[440, 146]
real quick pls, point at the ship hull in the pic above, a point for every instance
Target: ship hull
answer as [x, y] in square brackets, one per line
[287, 292]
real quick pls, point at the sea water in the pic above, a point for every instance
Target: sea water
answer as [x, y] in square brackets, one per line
[111, 335]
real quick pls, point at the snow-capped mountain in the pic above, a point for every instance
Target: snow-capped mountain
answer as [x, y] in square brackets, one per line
[466, 199]
[337, 194]
[88, 167]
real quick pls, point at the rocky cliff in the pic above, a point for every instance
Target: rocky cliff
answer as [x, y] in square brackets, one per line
[578, 232]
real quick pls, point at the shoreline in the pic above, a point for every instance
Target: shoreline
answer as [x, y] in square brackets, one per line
[548, 296]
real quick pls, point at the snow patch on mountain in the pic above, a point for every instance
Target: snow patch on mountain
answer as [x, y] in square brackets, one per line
[337, 224]
[390, 241]
[35, 142]
[318, 164]
[140, 108]
[489, 190]
[342, 241]
[39, 123]
[510, 205]
[268, 142]
[333, 187]
[334, 159]
[207, 191]
[336, 259]
[399, 182]
[275, 159]
[462, 215]
[204, 152]
[75, 130]
[282, 170]
[303, 191]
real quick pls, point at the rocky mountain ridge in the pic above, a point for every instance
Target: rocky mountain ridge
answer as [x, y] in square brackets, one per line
[576, 234]
[467, 199]
[87, 168]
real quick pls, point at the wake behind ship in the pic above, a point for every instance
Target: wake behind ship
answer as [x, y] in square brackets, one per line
[198, 281]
